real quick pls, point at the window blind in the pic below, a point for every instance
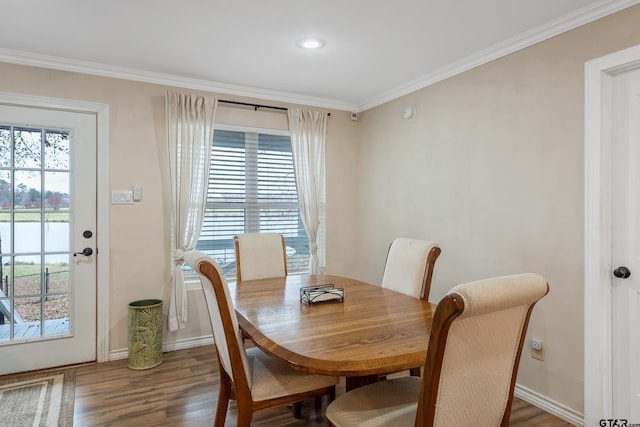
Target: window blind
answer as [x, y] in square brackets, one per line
[252, 189]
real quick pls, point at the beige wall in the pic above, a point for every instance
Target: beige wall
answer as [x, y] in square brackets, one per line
[139, 233]
[492, 168]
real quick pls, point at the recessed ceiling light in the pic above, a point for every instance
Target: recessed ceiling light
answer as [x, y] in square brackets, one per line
[310, 43]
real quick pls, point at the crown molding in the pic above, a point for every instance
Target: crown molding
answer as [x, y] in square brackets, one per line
[580, 17]
[566, 23]
[103, 70]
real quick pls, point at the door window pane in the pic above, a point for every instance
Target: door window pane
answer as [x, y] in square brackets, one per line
[5, 146]
[27, 189]
[27, 148]
[6, 192]
[5, 292]
[56, 312]
[56, 190]
[27, 277]
[5, 235]
[27, 232]
[28, 316]
[56, 150]
[56, 232]
[56, 274]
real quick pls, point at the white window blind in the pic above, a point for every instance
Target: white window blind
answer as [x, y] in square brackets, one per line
[252, 189]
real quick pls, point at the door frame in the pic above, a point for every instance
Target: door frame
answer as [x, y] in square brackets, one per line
[598, 373]
[102, 191]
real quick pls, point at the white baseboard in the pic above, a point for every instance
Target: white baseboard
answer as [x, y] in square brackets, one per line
[550, 406]
[182, 344]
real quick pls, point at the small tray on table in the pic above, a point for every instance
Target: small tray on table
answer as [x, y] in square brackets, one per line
[311, 295]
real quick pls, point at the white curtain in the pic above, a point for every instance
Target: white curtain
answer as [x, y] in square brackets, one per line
[189, 138]
[308, 131]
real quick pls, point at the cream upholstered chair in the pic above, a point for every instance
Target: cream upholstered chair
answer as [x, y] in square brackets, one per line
[409, 269]
[474, 350]
[257, 380]
[260, 255]
[409, 266]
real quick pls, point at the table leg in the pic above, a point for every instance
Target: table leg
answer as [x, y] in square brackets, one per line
[355, 382]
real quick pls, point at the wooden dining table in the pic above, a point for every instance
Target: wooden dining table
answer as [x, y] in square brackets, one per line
[374, 331]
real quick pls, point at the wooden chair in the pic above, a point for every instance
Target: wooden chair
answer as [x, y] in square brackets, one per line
[409, 266]
[476, 340]
[409, 269]
[260, 256]
[257, 380]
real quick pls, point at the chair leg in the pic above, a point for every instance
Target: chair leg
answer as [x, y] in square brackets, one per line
[415, 372]
[245, 414]
[223, 400]
[297, 410]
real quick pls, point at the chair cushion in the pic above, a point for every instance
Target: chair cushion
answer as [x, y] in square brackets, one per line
[272, 378]
[386, 403]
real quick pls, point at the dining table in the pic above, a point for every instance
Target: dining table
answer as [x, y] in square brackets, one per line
[373, 331]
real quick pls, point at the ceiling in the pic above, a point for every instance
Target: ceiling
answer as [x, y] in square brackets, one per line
[375, 50]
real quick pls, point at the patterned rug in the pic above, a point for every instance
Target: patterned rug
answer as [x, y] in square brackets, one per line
[43, 400]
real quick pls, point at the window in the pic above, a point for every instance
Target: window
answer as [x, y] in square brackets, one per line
[252, 189]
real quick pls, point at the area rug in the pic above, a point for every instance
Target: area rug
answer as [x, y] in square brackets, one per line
[39, 400]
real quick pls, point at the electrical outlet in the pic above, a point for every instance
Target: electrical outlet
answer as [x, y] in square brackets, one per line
[537, 349]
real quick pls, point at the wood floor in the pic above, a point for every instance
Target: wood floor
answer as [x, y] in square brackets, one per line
[182, 391]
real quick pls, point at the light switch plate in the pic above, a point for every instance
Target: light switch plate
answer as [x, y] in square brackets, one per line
[122, 197]
[137, 193]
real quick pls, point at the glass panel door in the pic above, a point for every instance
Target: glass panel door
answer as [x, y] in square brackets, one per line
[47, 214]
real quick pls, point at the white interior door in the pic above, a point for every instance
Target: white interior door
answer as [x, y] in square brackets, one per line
[626, 247]
[47, 219]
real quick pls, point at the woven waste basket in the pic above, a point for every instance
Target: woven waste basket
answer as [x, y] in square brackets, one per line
[145, 333]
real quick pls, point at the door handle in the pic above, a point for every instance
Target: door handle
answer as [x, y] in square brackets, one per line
[85, 252]
[622, 272]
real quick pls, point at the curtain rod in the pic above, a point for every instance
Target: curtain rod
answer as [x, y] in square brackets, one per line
[256, 106]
